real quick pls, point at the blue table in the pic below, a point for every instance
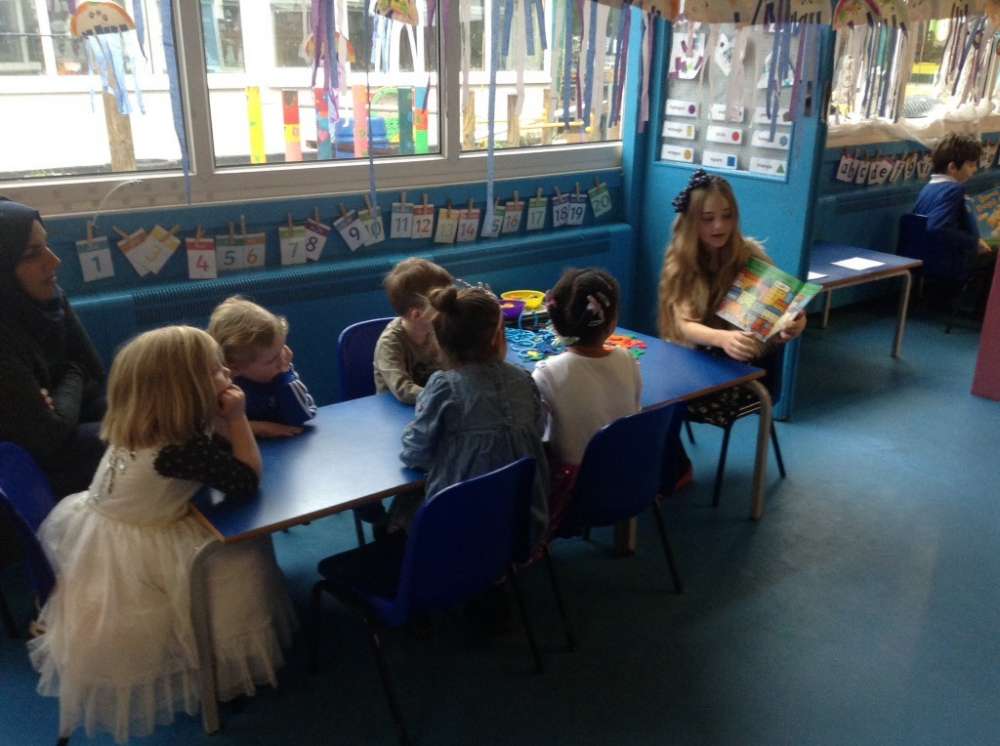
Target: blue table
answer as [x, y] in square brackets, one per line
[822, 260]
[350, 456]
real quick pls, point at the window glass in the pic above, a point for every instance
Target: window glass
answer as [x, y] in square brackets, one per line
[274, 113]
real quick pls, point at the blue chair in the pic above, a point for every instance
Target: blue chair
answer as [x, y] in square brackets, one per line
[355, 353]
[772, 381]
[460, 543]
[619, 478]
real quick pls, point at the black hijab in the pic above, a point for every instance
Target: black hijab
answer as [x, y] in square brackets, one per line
[42, 321]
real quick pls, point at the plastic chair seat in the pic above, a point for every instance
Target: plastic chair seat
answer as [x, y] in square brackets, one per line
[369, 575]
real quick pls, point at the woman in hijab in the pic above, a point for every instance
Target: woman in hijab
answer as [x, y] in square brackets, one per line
[51, 380]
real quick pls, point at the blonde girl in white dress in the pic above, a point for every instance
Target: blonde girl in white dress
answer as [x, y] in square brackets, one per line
[118, 647]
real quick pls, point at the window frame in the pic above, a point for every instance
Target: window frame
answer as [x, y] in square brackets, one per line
[212, 185]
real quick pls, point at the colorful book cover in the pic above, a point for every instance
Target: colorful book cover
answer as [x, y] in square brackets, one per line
[987, 207]
[763, 299]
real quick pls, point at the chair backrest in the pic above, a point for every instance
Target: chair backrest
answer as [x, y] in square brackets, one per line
[621, 470]
[463, 539]
[355, 353]
[916, 242]
[25, 500]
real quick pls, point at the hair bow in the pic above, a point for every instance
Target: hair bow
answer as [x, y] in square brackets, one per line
[699, 180]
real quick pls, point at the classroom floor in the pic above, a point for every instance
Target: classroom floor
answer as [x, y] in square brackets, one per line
[863, 609]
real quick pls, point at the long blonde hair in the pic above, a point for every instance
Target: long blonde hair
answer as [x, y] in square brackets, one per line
[161, 389]
[693, 277]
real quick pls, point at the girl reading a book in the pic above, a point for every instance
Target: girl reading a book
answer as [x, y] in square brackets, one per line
[705, 255]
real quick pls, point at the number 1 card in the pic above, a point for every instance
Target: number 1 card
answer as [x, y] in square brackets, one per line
[95, 258]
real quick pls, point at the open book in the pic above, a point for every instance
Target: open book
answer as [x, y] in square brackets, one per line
[987, 206]
[763, 299]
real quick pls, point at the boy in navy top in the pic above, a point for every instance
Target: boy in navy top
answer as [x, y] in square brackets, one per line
[253, 344]
[950, 214]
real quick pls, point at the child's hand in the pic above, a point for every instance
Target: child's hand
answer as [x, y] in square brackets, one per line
[740, 346]
[48, 400]
[286, 358]
[793, 328]
[263, 429]
[232, 403]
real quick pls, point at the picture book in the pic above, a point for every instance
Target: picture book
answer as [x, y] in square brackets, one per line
[763, 299]
[987, 206]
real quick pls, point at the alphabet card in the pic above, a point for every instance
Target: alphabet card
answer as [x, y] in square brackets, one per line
[447, 225]
[292, 239]
[845, 168]
[423, 220]
[316, 235]
[95, 257]
[468, 224]
[351, 229]
[600, 199]
[537, 207]
[201, 258]
[924, 166]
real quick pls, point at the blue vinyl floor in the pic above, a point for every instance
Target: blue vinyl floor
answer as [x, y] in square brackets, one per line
[863, 609]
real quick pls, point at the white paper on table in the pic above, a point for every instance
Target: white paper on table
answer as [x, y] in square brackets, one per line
[857, 263]
[815, 276]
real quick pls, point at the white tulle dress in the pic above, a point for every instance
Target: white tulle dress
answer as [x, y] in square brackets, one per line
[118, 648]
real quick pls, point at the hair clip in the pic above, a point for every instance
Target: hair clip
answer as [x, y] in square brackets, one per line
[596, 310]
[461, 284]
[699, 180]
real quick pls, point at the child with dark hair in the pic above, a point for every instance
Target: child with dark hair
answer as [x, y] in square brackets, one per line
[588, 386]
[480, 413]
[951, 217]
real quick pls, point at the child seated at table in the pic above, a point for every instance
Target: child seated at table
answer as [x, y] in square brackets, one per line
[117, 644]
[253, 342]
[480, 413]
[589, 385]
[951, 217]
[406, 352]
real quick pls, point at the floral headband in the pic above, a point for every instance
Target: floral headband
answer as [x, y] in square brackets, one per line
[699, 180]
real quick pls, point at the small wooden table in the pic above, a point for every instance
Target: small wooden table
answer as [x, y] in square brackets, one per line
[835, 276]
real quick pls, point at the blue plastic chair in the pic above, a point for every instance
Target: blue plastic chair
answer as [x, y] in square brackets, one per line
[460, 543]
[775, 365]
[25, 500]
[619, 478]
[355, 353]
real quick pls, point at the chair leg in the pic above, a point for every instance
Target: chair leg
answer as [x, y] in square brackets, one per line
[667, 551]
[690, 432]
[777, 451]
[721, 468]
[8, 619]
[359, 528]
[383, 672]
[525, 621]
[560, 604]
[312, 638]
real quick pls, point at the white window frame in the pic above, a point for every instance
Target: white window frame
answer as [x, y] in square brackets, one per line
[209, 185]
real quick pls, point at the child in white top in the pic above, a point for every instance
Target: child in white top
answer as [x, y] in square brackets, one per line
[118, 647]
[588, 386]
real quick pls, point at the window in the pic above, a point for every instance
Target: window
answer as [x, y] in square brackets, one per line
[529, 106]
[66, 125]
[220, 21]
[273, 113]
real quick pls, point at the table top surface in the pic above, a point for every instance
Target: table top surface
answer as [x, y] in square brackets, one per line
[349, 454]
[824, 255]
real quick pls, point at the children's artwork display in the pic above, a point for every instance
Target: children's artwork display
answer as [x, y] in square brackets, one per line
[763, 299]
[733, 93]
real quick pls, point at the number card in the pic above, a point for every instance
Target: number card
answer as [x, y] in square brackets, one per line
[254, 250]
[492, 228]
[560, 210]
[468, 224]
[423, 221]
[513, 211]
[129, 246]
[577, 209]
[401, 222]
[229, 253]
[201, 258]
[372, 221]
[352, 230]
[159, 246]
[447, 225]
[537, 207]
[600, 200]
[316, 234]
[293, 244]
[95, 258]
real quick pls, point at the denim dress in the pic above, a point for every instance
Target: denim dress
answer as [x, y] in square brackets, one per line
[474, 419]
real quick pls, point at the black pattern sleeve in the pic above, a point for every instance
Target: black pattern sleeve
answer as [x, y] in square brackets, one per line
[207, 460]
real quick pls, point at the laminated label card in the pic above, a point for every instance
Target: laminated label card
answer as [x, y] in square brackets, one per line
[468, 225]
[719, 113]
[492, 228]
[158, 247]
[577, 209]
[293, 244]
[447, 225]
[845, 168]
[129, 246]
[316, 235]
[769, 166]
[727, 135]
[372, 221]
[600, 200]
[537, 207]
[229, 253]
[423, 221]
[560, 210]
[95, 258]
[679, 130]
[762, 139]
[352, 230]
[512, 216]
[715, 159]
[254, 250]
[401, 221]
[677, 153]
[679, 108]
[201, 258]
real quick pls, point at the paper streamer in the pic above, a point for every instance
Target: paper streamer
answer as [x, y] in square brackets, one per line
[138, 15]
[567, 60]
[176, 106]
[491, 116]
[597, 102]
[649, 29]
